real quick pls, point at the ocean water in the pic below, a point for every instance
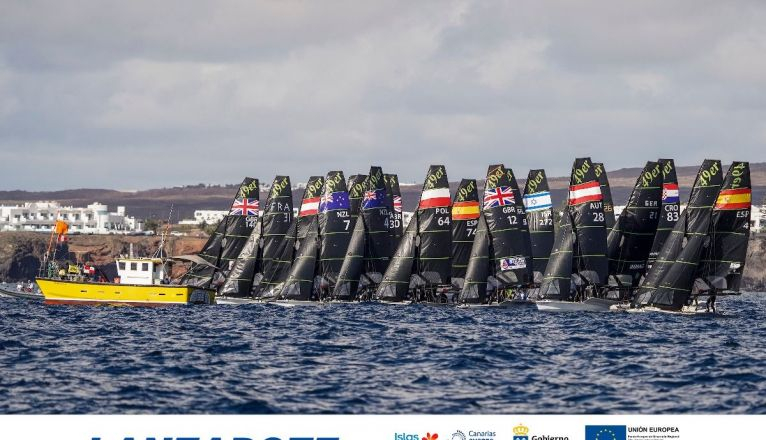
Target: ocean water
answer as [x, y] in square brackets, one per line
[369, 358]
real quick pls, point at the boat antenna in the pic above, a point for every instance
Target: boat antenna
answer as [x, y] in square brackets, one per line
[160, 252]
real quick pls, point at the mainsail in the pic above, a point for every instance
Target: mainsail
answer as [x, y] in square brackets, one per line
[465, 220]
[670, 209]
[630, 240]
[578, 260]
[356, 188]
[669, 282]
[606, 191]
[539, 207]
[335, 227]
[724, 260]
[394, 199]
[300, 282]
[426, 254]
[225, 243]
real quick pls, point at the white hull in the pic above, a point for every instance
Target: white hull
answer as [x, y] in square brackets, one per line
[6, 290]
[509, 304]
[589, 305]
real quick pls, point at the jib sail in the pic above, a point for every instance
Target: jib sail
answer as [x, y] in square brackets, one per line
[479, 266]
[669, 282]
[724, 260]
[669, 210]
[630, 241]
[606, 191]
[539, 208]
[465, 220]
[335, 227]
[223, 247]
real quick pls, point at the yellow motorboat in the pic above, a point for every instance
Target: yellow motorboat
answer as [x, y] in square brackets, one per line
[142, 282]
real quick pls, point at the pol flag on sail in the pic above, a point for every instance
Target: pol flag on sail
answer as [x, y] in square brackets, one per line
[537, 201]
[434, 198]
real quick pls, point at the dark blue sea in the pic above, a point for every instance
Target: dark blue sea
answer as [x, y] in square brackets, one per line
[368, 358]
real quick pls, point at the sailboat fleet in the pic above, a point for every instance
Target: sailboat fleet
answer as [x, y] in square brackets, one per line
[498, 248]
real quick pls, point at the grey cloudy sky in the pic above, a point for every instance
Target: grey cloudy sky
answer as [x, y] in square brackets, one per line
[133, 94]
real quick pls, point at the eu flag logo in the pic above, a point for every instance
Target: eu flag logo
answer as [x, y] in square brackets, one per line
[605, 432]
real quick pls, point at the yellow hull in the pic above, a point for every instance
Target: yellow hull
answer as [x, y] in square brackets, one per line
[75, 292]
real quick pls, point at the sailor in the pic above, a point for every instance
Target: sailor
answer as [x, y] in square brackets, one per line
[62, 273]
[710, 304]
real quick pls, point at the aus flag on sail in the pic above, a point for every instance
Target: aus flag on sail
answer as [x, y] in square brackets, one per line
[334, 201]
[670, 193]
[500, 196]
[244, 207]
[375, 198]
[538, 201]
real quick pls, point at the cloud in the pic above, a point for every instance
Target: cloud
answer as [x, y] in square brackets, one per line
[144, 94]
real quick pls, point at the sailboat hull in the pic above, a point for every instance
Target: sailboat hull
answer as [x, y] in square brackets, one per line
[88, 293]
[589, 305]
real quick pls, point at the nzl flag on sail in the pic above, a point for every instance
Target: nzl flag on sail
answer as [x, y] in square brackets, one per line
[670, 193]
[244, 207]
[605, 432]
[375, 198]
[334, 201]
[538, 201]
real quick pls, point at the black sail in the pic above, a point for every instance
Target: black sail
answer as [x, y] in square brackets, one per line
[356, 189]
[724, 259]
[588, 221]
[347, 286]
[396, 283]
[299, 281]
[669, 282]
[508, 230]
[630, 240]
[465, 220]
[335, 226]
[223, 247]
[374, 213]
[606, 192]
[433, 219]
[394, 198]
[479, 266]
[669, 210]
[539, 209]
[276, 216]
[557, 279]
[276, 222]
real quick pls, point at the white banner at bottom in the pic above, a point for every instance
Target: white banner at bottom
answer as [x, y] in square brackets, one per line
[382, 427]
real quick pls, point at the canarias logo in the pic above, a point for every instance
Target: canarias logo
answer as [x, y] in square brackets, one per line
[430, 436]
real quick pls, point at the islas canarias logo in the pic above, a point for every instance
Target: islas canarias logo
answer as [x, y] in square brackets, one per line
[430, 436]
[605, 432]
[520, 433]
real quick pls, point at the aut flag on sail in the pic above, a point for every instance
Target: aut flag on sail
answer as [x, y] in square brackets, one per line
[585, 192]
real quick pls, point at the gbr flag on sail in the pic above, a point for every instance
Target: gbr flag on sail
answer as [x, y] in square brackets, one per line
[434, 198]
[244, 206]
[585, 192]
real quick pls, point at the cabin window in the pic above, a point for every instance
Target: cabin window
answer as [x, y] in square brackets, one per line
[145, 267]
[122, 265]
[133, 266]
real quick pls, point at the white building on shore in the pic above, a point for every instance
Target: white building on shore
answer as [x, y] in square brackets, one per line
[93, 219]
[206, 216]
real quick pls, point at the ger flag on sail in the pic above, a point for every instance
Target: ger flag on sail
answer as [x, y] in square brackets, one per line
[229, 237]
[537, 201]
[669, 282]
[606, 192]
[724, 259]
[669, 210]
[630, 240]
[465, 219]
[275, 274]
